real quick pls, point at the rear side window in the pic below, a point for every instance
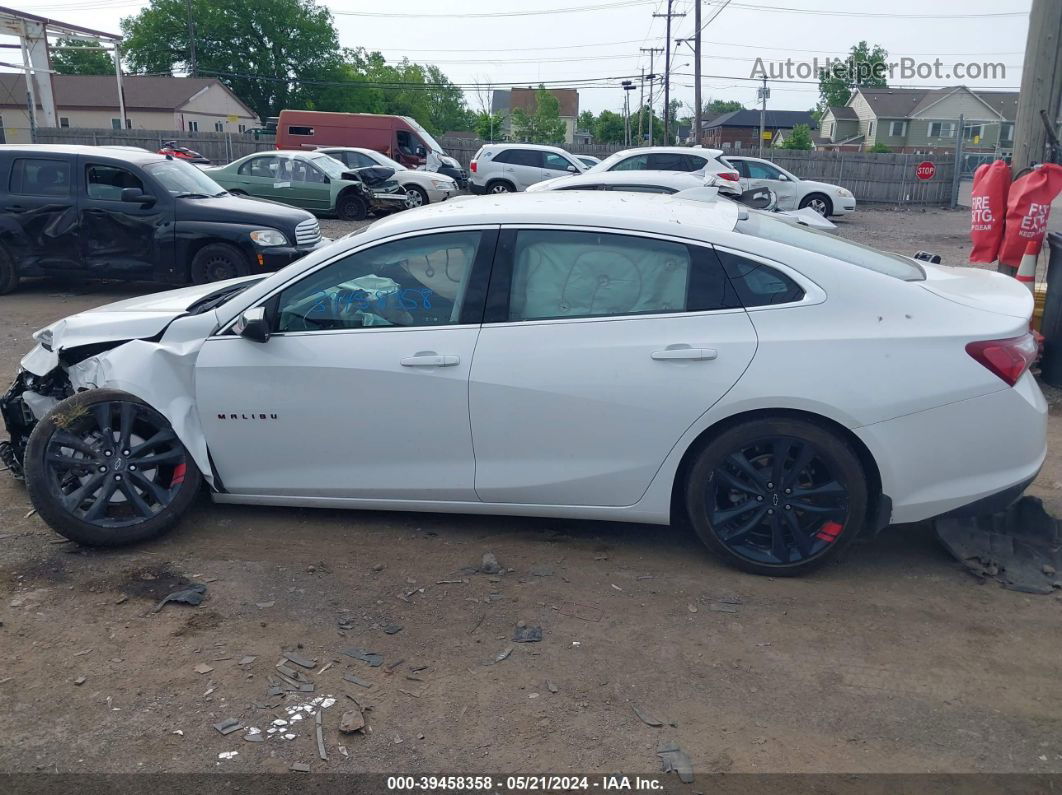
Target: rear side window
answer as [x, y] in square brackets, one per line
[107, 182]
[564, 274]
[757, 284]
[641, 189]
[33, 177]
[674, 161]
[522, 157]
[760, 224]
[260, 167]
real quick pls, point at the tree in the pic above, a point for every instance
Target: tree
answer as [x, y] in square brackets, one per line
[658, 125]
[865, 66]
[719, 106]
[544, 126]
[264, 50]
[880, 148]
[88, 59]
[488, 126]
[586, 121]
[798, 138]
[608, 128]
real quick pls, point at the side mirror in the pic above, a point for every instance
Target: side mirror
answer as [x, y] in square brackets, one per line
[783, 178]
[420, 151]
[252, 324]
[136, 196]
[572, 170]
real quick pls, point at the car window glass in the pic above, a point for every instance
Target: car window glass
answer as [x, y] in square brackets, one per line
[35, 177]
[504, 156]
[694, 163]
[526, 157]
[762, 225]
[417, 281]
[757, 284]
[304, 172]
[562, 274]
[107, 182]
[556, 162]
[359, 160]
[264, 167]
[328, 164]
[635, 163]
[739, 166]
[667, 161]
[762, 170]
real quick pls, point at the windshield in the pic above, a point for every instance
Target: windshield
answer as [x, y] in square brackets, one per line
[183, 179]
[384, 160]
[425, 136]
[329, 165]
[760, 224]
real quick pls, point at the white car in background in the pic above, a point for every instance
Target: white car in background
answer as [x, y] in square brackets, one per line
[421, 187]
[589, 160]
[665, 182]
[510, 168]
[792, 191]
[574, 355]
[668, 158]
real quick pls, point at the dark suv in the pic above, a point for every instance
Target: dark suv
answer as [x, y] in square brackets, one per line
[96, 211]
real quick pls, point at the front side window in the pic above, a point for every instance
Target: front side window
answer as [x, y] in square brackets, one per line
[417, 281]
[302, 171]
[635, 163]
[32, 177]
[566, 274]
[107, 182]
[762, 170]
[556, 162]
[329, 165]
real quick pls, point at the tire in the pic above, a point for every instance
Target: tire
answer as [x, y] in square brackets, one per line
[819, 202]
[352, 207]
[500, 186]
[745, 516]
[8, 272]
[128, 493]
[416, 197]
[216, 262]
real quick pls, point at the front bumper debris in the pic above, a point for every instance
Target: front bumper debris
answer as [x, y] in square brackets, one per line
[29, 397]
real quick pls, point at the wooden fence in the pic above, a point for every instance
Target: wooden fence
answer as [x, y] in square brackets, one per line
[872, 177]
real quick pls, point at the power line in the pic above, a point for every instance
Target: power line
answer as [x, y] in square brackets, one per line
[494, 14]
[889, 15]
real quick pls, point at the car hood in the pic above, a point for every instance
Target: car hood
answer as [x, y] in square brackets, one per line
[134, 318]
[242, 210]
[824, 186]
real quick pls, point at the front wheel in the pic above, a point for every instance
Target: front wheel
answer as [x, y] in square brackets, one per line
[819, 203]
[500, 186]
[415, 197]
[352, 208]
[216, 262]
[106, 469]
[777, 496]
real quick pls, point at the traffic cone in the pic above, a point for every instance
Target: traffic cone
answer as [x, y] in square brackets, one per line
[1027, 268]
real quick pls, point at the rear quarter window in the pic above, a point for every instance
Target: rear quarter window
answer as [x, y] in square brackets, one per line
[757, 284]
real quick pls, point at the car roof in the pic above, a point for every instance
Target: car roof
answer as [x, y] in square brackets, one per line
[622, 211]
[670, 179]
[541, 147]
[684, 150]
[112, 153]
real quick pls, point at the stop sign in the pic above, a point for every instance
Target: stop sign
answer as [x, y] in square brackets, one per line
[925, 170]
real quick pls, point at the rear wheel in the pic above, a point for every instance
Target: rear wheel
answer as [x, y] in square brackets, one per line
[352, 207]
[818, 202]
[218, 261]
[777, 496]
[500, 186]
[8, 272]
[105, 469]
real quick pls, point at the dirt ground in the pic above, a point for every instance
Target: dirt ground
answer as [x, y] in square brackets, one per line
[893, 660]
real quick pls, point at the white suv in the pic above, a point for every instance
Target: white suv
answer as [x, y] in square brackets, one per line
[505, 168]
[669, 158]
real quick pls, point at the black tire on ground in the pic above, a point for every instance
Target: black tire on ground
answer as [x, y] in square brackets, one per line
[8, 272]
[416, 196]
[500, 186]
[352, 207]
[215, 262]
[725, 482]
[819, 202]
[124, 487]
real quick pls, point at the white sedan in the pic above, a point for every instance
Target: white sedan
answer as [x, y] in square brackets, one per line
[421, 187]
[793, 192]
[566, 354]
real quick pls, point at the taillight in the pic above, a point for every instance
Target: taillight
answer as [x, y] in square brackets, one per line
[472, 166]
[1008, 359]
[730, 175]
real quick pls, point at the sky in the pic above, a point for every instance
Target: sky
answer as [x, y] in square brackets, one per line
[525, 42]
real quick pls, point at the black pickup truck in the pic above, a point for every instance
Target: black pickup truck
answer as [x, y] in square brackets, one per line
[117, 213]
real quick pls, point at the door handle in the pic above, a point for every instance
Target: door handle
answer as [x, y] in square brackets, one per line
[430, 359]
[685, 352]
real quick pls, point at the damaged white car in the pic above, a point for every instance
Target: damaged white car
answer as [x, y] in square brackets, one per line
[595, 355]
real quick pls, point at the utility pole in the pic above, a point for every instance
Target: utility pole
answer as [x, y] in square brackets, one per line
[1041, 84]
[641, 105]
[193, 68]
[697, 71]
[667, 73]
[956, 170]
[764, 93]
[652, 76]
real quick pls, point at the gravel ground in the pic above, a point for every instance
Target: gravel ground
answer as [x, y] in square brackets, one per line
[893, 660]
